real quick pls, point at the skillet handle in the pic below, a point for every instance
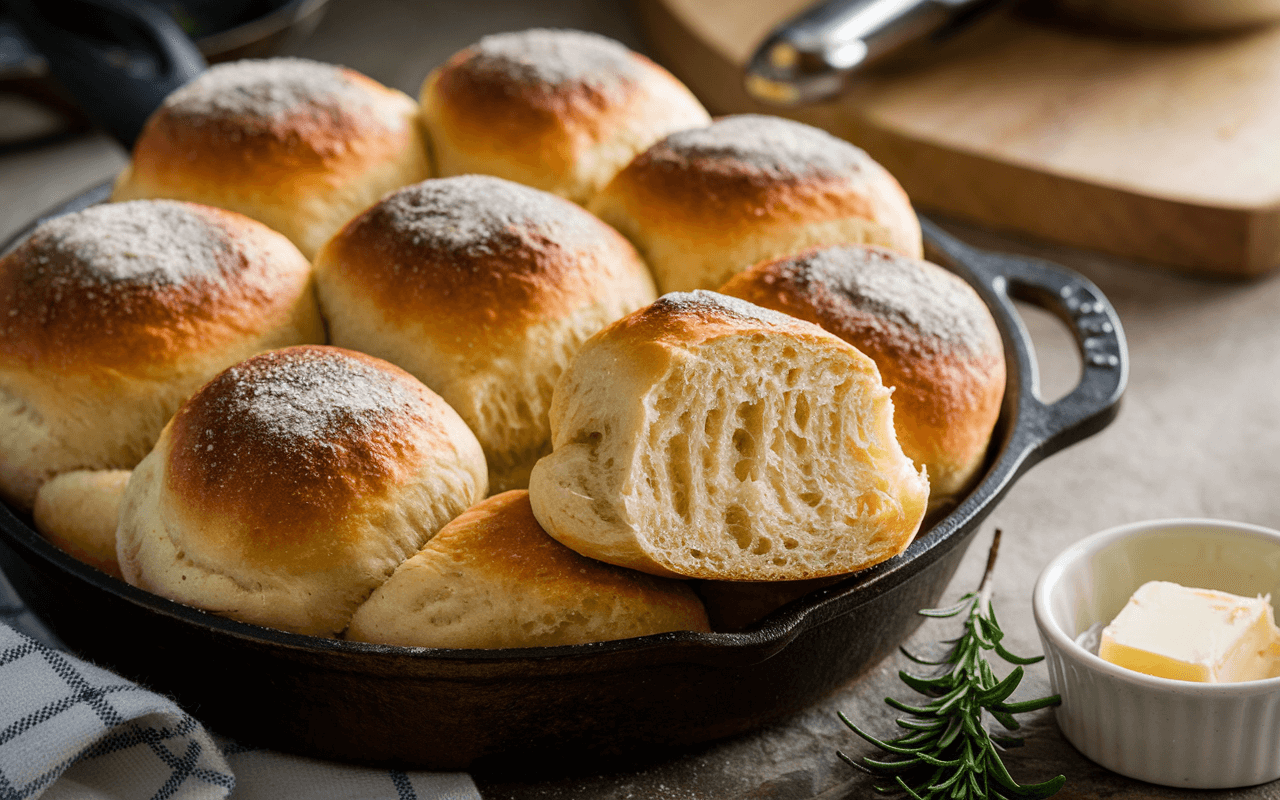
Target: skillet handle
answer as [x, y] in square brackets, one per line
[118, 58]
[1046, 428]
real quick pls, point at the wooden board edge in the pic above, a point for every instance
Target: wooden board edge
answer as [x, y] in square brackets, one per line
[1234, 243]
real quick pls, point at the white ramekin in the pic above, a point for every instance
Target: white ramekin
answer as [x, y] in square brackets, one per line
[1174, 733]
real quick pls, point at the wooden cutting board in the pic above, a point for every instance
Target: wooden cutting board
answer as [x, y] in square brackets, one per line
[1166, 151]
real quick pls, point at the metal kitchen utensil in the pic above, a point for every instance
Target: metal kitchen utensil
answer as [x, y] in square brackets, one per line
[812, 56]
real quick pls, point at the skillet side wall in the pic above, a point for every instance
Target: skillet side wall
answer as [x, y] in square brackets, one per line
[406, 710]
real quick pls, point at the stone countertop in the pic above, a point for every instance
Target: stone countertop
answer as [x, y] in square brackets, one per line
[1198, 436]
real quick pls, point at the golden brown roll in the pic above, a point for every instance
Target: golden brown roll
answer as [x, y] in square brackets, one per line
[296, 144]
[293, 484]
[555, 109]
[928, 331]
[703, 204]
[78, 512]
[111, 317]
[483, 289]
[706, 437]
[493, 578]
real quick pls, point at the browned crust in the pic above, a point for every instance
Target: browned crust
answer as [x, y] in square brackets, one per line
[519, 277]
[281, 492]
[53, 318]
[684, 319]
[177, 148]
[947, 392]
[717, 198]
[501, 538]
[507, 116]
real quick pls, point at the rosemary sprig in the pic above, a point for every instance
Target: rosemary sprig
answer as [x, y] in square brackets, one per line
[947, 751]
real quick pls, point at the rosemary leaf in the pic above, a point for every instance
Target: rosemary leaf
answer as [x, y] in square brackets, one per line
[919, 712]
[916, 725]
[946, 751]
[919, 660]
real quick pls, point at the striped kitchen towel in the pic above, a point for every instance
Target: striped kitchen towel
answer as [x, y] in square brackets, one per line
[72, 731]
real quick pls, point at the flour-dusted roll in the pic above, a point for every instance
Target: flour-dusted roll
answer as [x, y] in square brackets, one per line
[493, 578]
[78, 512]
[299, 145]
[483, 289]
[111, 317]
[935, 342]
[704, 204]
[706, 437]
[292, 484]
[556, 109]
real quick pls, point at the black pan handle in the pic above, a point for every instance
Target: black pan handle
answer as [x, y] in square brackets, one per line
[1046, 428]
[118, 58]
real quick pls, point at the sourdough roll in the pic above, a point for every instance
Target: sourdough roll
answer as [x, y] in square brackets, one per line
[292, 485]
[703, 204]
[112, 316]
[493, 578]
[78, 512]
[706, 437]
[299, 145]
[928, 331]
[483, 289]
[556, 109]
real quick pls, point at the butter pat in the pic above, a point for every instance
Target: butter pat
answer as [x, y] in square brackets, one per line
[1172, 631]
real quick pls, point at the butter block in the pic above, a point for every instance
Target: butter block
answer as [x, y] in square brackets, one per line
[1172, 631]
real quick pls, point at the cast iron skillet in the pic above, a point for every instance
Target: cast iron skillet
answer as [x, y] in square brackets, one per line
[565, 706]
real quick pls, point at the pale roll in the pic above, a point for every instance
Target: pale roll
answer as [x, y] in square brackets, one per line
[493, 578]
[706, 437]
[78, 512]
[935, 342]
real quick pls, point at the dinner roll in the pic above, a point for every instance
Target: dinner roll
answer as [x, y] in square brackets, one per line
[559, 110]
[292, 485]
[703, 204]
[483, 289]
[928, 331]
[78, 511]
[111, 317]
[706, 437]
[299, 145]
[493, 578]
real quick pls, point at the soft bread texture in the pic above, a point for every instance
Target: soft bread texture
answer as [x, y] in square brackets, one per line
[706, 437]
[78, 512]
[559, 110]
[298, 145]
[493, 578]
[292, 485]
[935, 342]
[483, 289]
[111, 317]
[704, 204]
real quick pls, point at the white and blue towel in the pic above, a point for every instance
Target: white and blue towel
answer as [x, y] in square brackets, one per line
[73, 731]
